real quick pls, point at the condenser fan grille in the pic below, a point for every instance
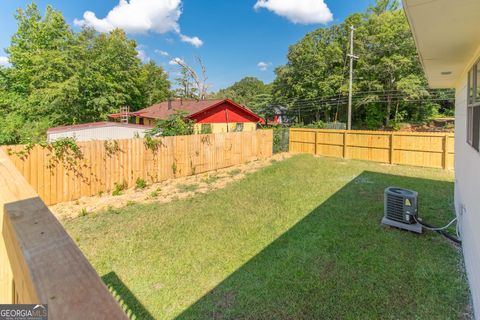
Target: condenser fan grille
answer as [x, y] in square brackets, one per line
[395, 207]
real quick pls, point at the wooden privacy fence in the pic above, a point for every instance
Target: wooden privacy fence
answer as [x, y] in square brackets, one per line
[105, 164]
[39, 262]
[423, 149]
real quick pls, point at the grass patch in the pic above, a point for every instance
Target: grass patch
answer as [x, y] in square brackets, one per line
[210, 179]
[83, 212]
[234, 172]
[268, 247]
[185, 187]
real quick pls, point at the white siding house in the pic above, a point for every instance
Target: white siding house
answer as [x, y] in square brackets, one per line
[98, 131]
[447, 34]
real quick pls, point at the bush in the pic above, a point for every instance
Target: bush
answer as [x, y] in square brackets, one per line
[176, 125]
[280, 139]
[140, 183]
[119, 188]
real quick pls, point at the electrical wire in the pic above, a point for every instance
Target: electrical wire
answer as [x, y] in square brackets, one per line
[441, 230]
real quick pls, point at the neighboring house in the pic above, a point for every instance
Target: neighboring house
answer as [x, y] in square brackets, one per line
[447, 34]
[209, 115]
[98, 131]
[278, 116]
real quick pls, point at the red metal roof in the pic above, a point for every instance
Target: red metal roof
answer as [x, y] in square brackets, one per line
[191, 107]
[96, 125]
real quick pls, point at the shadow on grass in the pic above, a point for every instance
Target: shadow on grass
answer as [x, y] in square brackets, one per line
[339, 262]
[127, 300]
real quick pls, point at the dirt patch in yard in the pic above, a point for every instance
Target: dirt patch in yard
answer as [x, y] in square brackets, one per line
[164, 191]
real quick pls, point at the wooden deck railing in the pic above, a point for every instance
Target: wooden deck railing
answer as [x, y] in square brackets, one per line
[39, 262]
[425, 149]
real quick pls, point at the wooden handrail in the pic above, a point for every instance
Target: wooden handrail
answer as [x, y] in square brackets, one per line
[40, 263]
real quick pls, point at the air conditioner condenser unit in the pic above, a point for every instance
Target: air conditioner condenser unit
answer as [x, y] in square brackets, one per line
[401, 209]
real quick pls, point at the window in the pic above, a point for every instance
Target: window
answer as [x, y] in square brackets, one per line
[477, 83]
[473, 109]
[239, 127]
[206, 128]
[470, 87]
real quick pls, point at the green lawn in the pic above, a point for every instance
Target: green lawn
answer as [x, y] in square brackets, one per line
[300, 239]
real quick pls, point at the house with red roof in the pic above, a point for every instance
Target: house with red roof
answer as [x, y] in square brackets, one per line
[209, 115]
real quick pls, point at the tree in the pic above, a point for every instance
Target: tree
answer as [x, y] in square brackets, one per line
[154, 83]
[388, 67]
[244, 91]
[60, 77]
[177, 124]
[192, 83]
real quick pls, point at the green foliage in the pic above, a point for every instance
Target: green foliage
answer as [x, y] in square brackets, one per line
[64, 151]
[111, 148]
[152, 143]
[155, 193]
[119, 188]
[234, 172]
[185, 187]
[211, 179]
[83, 212]
[140, 183]
[177, 124]
[281, 240]
[388, 64]
[280, 139]
[244, 91]
[174, 168]
[61, 77]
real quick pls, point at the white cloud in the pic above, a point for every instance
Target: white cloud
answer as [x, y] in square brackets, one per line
[194, 41]
[175, 61]
[142, 55]
[140, 16]
[298, 11]
[4, 61]
[162, 53]
[263, 66]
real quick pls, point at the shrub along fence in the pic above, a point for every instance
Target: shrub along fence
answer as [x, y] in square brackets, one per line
[60, 175]
[423, 149]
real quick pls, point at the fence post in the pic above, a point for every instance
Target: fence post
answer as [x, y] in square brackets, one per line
[316, 135]
[345, 145]
[391, 147]
[445, 151]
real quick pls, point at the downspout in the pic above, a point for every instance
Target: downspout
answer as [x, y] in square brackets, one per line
[226, 118]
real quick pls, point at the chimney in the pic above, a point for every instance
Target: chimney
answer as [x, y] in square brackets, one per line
[169, 104]
[181, 101]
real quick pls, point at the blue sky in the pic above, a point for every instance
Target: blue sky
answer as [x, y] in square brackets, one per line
[232, 37]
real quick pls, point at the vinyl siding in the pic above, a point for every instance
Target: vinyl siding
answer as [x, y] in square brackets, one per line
[467, 199]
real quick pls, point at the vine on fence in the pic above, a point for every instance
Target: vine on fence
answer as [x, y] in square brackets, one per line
[111, 148]
[63, 151]
[153, 144]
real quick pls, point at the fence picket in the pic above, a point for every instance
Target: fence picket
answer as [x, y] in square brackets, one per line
[99, 170]
[423, 149]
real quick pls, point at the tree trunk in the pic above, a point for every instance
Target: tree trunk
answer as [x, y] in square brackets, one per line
[389, 111]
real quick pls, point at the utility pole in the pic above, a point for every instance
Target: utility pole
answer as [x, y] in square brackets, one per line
[350, 87]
